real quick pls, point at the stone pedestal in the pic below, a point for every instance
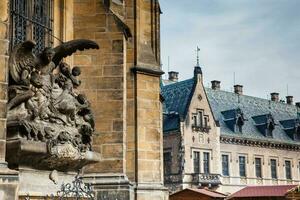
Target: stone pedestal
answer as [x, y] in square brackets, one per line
[42, 170]
[37, 155]
[42, 183]
[9, 181]
[111, 186]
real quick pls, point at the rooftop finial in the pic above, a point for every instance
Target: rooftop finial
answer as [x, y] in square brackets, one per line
[198, 50]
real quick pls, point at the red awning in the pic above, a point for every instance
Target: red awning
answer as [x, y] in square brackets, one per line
[263, 191]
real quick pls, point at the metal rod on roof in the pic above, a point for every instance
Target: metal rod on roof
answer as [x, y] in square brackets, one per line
[233, 78]
[198, 49]
[168, 63]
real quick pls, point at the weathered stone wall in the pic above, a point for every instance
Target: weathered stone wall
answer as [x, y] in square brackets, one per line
[8, 178]
[124, 95]
[102, 81]
[63, 14]
[4, 45]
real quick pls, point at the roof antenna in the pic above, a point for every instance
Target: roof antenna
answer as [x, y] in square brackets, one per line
[198, 50]
[287, 89]
[168, 63]
[233, 78]
[168, 67]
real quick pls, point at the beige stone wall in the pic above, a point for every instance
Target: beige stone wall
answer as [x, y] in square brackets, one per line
[102, 81]
[4, 45]
[203, 142]
[63, 13]
[9, 178]
[149, 129]
[126, 102]
[234, 182]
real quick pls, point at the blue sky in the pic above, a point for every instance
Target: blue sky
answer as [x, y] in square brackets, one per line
[258, 40]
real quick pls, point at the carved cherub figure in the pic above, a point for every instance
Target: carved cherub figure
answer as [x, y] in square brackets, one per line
[33, 90]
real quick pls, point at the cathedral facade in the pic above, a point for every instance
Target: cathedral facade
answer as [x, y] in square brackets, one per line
[121, 80]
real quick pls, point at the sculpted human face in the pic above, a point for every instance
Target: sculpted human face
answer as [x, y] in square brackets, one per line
[49, 55]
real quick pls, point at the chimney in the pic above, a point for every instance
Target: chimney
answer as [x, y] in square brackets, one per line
[173, 76]
[275, 97]
[289, 100]
[297, 104]
[238, 89]
[215, 85]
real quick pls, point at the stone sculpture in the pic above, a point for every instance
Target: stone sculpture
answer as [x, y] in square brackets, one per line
[43, 104]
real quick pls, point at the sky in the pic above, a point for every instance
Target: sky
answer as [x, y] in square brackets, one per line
[257, 40]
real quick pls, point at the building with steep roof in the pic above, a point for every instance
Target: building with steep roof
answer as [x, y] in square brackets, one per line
[228, 140]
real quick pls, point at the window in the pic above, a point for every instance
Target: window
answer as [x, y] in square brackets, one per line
[31, 20]
[200, 118]
[258, 168]
[206, 162]
[195, 120]
[167, 162]
[205, 121]
[196, 162]
[273, 169]
[225, 165]
[288, 173]
[242, 166]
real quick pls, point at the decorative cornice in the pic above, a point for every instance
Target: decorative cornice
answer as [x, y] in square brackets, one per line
[258, 143]
[147, 71]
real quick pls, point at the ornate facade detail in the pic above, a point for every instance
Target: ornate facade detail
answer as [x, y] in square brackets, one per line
[257, 143]
[43, 105]
[206, 179]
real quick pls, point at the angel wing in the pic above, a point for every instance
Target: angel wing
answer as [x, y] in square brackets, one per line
[70, 47]
[21, 58]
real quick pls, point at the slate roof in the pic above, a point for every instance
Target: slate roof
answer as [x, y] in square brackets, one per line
[254, 109]
[178, 96]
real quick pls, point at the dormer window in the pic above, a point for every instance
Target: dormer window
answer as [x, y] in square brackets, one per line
[292, 128]
[297, 130]
[234, 119]
[200, 121]
[265, 124]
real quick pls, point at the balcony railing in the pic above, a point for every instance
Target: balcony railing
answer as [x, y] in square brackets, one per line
[206, 179]
[201, 128]
[172, 178]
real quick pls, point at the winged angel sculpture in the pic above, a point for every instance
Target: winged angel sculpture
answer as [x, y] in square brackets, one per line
[42, 99]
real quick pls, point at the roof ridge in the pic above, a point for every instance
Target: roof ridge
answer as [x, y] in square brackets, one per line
[177, 83]
[249, 96]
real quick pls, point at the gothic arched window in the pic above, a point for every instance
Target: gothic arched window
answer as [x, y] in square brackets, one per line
[31, 20]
